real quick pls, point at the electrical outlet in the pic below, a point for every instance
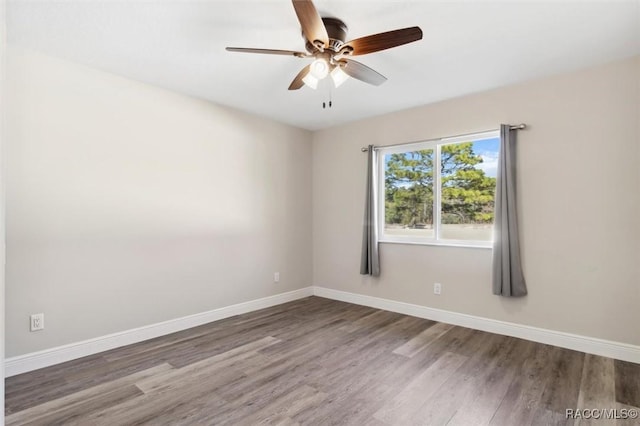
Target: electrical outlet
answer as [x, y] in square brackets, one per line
[437, 288]
[276, 277]
[37, 322]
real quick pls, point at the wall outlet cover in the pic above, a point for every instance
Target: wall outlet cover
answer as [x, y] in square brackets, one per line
[36, 322]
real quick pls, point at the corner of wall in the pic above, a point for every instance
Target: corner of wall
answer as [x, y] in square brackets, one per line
[2, 198]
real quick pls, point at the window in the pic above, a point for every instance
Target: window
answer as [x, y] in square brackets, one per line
[449, 204]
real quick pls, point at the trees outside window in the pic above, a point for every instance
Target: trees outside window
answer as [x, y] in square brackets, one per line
[449, 203]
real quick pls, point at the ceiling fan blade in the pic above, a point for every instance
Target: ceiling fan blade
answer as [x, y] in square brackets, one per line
[297, 82]
[267, 51]
[362, 72]
[382, 41]
[312, 26]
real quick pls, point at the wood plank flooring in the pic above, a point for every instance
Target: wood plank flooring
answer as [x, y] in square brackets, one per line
[321, 362]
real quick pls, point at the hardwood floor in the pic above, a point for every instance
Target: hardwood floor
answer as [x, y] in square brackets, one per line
[320, 362]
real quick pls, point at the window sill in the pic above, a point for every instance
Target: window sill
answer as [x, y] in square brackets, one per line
[462, 244]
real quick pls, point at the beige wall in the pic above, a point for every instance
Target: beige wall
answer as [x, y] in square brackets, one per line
[2, 196]
[579, 203]
[129, 205]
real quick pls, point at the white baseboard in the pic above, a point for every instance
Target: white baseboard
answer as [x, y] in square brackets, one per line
[35, 360]
[591, 345]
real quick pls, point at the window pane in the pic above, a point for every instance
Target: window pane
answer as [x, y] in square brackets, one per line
[468, 173]
[409, 194]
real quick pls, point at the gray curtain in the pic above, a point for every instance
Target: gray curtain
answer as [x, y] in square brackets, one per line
[370, 260]
[508, 279]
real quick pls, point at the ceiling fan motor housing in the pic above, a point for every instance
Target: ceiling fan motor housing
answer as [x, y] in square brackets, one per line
[337, 32]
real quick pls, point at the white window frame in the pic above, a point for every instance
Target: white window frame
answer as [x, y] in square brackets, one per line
[436, 145]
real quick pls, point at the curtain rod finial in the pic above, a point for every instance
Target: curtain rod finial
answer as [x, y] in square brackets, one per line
[363, 149]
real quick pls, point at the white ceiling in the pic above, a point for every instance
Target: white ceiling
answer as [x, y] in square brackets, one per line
[468, 46]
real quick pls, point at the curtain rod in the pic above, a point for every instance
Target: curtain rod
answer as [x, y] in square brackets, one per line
[520, 126]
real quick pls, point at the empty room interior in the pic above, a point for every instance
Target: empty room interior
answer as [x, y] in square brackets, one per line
[320, 213]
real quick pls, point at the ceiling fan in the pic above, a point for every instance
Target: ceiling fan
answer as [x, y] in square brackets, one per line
[325, 43]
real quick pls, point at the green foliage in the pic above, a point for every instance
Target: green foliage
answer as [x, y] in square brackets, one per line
[467, 193]
[409, 188]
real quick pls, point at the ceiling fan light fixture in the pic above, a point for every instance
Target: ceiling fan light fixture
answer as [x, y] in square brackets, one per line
[326, 44]
[338, 76]
[310, 81]
[319, 68]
